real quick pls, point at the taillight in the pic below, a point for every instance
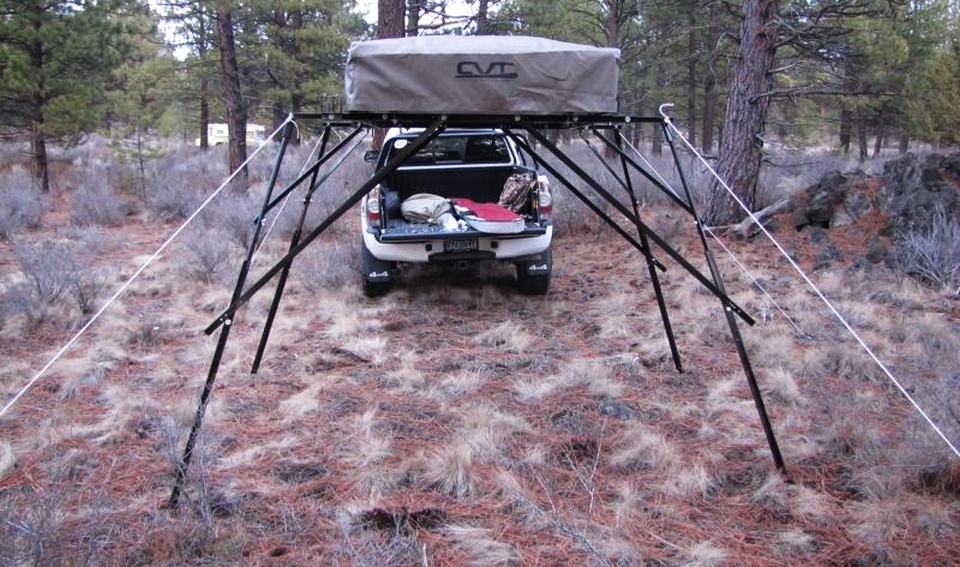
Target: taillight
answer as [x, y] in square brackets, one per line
[373, 206]
[544, 199]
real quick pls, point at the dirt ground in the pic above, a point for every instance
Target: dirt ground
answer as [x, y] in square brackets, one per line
[455, 422]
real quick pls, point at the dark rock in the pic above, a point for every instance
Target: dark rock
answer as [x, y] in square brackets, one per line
[826, 256]
[913, 191]
[816, 234]
[878, 251]
[861, 264]
[299, 472]
[825, 204]
[615, 409]
[858, 204]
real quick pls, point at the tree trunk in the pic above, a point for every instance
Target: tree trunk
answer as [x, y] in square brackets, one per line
[204, 81]
[741, 143]
[413, 18]
[232, 95]
[710, 84]
[204, 113]
[904, 144]
[38, 142]
[38, 138]
[390, 18]
[656, 142]
[846, 128]
[881, 131]
[692, 75]
[389, 24]
[862, 133]
[483, 17]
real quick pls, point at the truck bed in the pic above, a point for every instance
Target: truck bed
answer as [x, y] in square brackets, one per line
[481, 183]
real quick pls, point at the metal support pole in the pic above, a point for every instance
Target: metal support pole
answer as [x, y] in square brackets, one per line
[294, 240]
[653, 236]
[282, 281]
[731, 320]
[312, 170]
[584, 199]
[627, 183]
[654, 277]
[181, 472]
[617, 147]
[414, 146]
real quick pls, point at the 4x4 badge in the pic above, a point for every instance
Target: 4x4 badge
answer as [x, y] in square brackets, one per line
[475, 70]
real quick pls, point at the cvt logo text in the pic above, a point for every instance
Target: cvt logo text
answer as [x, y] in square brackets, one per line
[477, 70]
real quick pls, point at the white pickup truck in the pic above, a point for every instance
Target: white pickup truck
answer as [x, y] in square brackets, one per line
[462, 166]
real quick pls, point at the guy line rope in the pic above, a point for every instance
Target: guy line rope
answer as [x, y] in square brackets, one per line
[123, 288]
[866, 348]
[713, 235]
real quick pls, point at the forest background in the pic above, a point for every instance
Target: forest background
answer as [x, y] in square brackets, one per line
[856, 76]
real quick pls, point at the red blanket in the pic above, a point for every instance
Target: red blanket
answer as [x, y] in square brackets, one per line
[488, 217]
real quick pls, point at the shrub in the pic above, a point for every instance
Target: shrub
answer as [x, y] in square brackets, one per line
[329, 263]
[932, 252]
[176, 184]
[53, 269]
[235, 214]
[21, 205]
[209, 253]
[94, 201]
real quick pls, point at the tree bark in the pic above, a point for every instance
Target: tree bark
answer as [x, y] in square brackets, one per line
[202, 43]
[232, 95]
[389, 24]
[38, 138]
[741, 142]
[390, 18]
[483, 17]
[862, 133]
[846, 128]
[904, 145]
[710, 83]
[881, 131]
[38, 144]
[413, 18]
[692, 75]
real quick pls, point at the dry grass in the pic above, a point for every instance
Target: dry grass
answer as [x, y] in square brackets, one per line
[456, 423]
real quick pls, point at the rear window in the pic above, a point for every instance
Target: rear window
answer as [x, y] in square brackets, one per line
[456, 150]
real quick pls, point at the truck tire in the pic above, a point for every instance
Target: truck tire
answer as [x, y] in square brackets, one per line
[377, 275]
[538, 282]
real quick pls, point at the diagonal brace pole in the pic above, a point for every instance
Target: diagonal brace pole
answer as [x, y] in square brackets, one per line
[627, 183]
[653, 236]
[422, 140]
[294, 240]
[654, 277]
[584, 199]
[312, 170]
[181, 472]
[616, 146]
[731, 321]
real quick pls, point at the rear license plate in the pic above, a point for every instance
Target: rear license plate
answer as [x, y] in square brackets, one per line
[460, 245]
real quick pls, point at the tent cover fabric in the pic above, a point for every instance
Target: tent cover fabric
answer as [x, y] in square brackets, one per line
[480, 74]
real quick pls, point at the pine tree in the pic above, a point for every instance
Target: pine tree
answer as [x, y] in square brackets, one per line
[55, 58]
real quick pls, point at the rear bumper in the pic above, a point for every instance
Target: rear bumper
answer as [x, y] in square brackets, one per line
[489, 247]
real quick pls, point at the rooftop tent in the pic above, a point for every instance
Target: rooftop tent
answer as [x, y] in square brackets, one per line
[480, 74]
